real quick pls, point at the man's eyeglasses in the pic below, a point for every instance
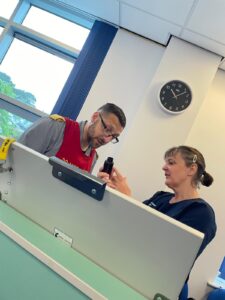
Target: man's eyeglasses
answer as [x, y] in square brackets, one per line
[108, 131]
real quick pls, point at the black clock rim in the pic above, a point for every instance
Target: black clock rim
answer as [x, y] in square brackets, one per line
[169, 82]
[177, 80]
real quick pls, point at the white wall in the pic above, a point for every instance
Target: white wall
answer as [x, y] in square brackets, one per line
[123, 79]
[207, 135]
[131, 76]
[154, 131]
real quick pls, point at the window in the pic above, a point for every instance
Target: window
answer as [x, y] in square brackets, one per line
[57, 31]
[43, 77]
[7, 7]
[11, 124]
[36, 59]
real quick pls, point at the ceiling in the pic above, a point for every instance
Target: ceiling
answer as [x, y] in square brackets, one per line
[201, 22]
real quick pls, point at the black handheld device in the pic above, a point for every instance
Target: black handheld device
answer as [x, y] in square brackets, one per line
[108, 165]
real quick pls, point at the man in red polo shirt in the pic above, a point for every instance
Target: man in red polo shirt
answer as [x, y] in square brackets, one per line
[76, 142]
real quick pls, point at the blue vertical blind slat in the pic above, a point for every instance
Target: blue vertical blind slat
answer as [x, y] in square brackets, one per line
[85, 70]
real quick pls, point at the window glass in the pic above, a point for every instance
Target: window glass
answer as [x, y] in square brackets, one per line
[29, 73]
[12, 125]
[62, 30]
[7, 7]
[33, 76]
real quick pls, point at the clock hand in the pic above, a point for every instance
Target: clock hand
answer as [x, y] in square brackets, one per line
[174, 95]
[181, 94]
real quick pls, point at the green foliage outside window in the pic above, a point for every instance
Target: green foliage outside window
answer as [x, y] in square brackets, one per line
[12, 125]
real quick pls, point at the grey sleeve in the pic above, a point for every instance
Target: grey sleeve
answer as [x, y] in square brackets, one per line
[44, 136]
[94, 162]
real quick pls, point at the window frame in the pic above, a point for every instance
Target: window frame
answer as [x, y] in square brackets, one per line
[13, 28]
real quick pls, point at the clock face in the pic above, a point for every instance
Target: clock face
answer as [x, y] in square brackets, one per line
[175, 96]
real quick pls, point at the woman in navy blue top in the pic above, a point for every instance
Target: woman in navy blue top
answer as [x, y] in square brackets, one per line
[196, 213]
[185, 171]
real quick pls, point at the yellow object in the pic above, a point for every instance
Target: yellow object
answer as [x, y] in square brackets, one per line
[57, 118]
[5, 148]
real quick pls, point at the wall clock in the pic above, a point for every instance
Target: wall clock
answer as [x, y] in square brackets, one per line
[175, 96]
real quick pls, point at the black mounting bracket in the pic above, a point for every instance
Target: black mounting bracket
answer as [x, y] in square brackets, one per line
[77, 178]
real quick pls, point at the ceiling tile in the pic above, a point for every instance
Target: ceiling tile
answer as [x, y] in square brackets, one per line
[107, 10]
[147, 25]
[175, 11]
[203, 42]
[208, 19]
[200, 22]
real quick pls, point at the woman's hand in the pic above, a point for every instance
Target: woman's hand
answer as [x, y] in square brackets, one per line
[104, 176]
[116, 181]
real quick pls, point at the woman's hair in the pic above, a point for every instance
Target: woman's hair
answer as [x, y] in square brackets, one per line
[191, 156]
